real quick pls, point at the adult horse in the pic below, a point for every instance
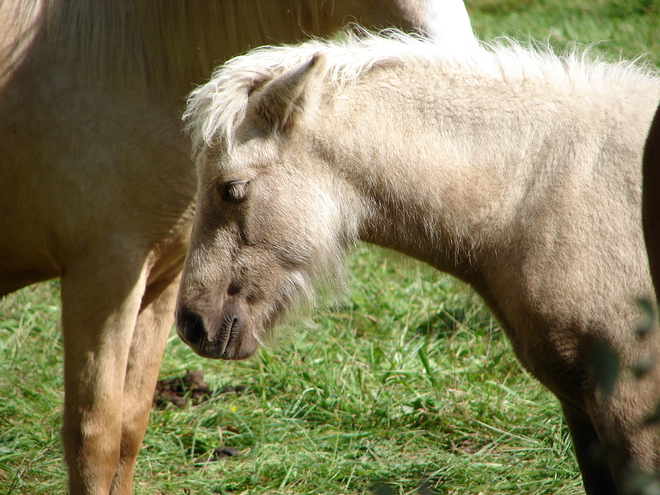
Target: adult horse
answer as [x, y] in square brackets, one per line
[97, 184]
[516, 171]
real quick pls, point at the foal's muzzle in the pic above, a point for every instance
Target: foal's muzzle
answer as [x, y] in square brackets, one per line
[225, 334]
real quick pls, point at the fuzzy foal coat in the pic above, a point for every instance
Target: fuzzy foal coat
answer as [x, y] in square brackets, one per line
[516, 171]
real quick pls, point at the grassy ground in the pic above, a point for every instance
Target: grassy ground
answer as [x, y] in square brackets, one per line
[407, 387]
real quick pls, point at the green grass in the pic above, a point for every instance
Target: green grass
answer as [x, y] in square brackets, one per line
[621, 27]
[341, 403]
[407, 383]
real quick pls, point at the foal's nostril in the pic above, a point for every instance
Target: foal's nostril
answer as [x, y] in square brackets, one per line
[233, 289]
[191, 327]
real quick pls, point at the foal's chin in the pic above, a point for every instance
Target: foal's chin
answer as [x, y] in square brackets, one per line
[237, 351]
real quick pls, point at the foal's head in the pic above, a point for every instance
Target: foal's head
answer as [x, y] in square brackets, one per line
[269, 224]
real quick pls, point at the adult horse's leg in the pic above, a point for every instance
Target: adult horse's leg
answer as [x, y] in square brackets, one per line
[153, 326]
[651, 199]
[101, 298]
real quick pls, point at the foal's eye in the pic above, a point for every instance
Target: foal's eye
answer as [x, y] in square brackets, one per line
[234, 191]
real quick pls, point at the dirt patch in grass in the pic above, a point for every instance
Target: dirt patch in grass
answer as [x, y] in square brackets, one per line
[180, 390]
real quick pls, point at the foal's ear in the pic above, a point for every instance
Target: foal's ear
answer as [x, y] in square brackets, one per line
[284, 99]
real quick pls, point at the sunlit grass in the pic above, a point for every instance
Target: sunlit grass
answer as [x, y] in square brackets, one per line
[627, 28]
[407, 382]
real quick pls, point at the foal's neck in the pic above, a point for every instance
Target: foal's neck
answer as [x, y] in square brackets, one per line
[424, 193]
[449, 169]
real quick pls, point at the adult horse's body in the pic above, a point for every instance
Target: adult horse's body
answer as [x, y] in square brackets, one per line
[515, 171]
[98, 188]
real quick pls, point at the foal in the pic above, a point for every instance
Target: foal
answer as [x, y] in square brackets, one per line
[516, 171]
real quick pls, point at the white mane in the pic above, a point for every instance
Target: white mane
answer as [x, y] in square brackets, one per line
[216, 108]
